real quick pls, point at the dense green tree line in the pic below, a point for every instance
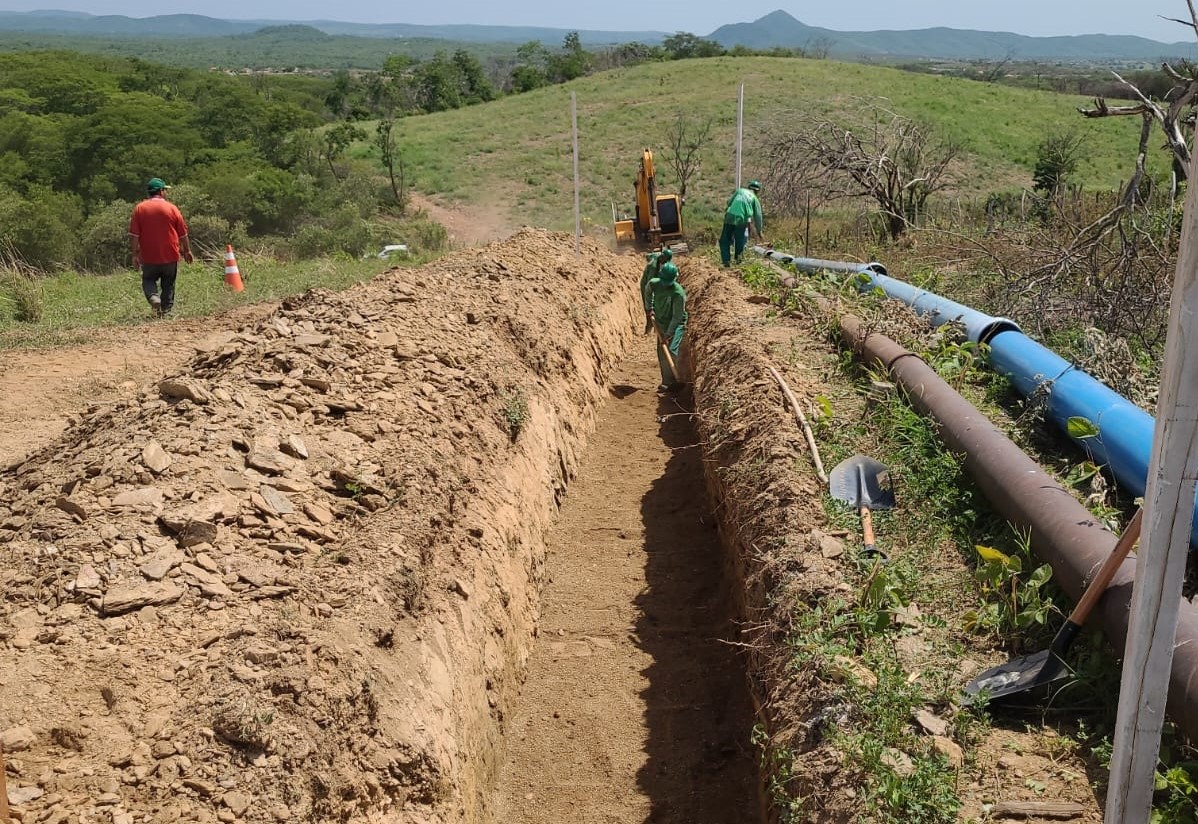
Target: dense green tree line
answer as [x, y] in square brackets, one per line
[249, 157]
[253, 156]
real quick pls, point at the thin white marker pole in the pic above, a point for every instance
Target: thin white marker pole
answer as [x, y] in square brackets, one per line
[1161, 564]
[740, 130]
[577, 208]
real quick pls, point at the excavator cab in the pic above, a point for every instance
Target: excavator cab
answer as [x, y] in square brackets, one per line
[657, 221]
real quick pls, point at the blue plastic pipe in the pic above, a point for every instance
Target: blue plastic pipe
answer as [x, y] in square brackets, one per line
[979, 327]
[1125, 431]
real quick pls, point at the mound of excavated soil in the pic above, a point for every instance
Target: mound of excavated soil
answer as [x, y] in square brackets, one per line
[297, 581]
[769, 500]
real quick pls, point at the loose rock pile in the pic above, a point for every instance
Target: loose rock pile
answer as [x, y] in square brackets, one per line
[198, 581]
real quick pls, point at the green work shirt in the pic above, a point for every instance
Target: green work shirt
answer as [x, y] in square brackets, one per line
[743, 207]
[668, 300]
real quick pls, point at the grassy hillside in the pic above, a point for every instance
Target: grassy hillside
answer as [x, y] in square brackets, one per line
[515, 153]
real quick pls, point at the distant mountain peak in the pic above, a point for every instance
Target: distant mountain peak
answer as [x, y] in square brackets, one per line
[778, 16]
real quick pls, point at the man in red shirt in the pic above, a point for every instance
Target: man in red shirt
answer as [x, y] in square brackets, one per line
[157, 233]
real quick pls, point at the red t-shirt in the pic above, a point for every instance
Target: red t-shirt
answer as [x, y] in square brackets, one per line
[158, 224]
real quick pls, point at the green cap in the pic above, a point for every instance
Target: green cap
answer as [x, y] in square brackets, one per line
[156, 185]
[669, 272]
[755, 185]
[666, 255]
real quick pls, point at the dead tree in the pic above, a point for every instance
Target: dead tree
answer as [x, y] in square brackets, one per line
[1173, 120]
[888, 158]
[1180, 112]
[686, 140]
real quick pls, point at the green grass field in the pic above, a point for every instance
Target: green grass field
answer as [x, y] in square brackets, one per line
[515, 153]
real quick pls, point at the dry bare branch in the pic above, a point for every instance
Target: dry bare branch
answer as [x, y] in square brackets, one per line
[883, 156]
[686, 139]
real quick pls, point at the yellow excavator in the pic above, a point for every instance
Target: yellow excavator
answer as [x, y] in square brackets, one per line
[658, 219]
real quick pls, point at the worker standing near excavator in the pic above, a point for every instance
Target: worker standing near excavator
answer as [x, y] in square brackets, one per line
[742, 214]
[667, 301]
[652, 270]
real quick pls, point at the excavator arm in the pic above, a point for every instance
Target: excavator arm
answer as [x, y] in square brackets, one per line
[658, 219]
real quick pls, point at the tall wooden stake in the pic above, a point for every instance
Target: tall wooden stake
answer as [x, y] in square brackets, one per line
[740, 130]
[577, 208]
[1161, 564]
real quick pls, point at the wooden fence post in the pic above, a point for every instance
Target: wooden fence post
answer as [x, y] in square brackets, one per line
[1161, 564]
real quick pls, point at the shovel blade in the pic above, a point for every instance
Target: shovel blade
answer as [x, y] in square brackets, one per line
[858, 482]
[1018, 675]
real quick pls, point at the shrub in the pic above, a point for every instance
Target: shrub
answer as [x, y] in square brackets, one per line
[104, 240]
[41, 228]
[423, 234]
[312, 241]
[25, 294]
[210, 234]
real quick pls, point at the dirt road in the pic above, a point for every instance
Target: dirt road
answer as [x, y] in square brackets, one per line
[634, 709]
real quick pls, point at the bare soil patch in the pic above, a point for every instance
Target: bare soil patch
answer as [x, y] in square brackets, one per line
[468, 224]
[41, 389]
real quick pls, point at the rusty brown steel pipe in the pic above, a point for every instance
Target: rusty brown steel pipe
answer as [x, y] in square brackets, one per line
[1063, 532]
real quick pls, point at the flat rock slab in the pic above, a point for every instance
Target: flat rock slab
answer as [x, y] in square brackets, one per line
[146, 496]
[182, 389]
[276, 502]
[270, 461]
[72, 507]
[126, 599]
[161, 563]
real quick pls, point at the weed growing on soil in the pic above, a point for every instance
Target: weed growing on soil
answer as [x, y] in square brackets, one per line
[902, 776]
[515, 411]
[1014, 601]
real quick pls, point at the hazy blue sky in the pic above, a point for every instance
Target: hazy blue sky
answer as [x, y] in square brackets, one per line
[1039, 17]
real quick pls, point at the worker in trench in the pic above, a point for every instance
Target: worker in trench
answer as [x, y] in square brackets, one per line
[666, 300]
[652, 270]
[742, 215]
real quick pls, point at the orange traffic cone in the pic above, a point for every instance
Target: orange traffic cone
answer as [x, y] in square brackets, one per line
[232, 273]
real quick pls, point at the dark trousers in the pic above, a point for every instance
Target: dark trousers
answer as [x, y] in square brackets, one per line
[733, 234]
[151, 274]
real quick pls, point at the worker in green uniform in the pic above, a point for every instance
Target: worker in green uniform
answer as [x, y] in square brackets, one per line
[667, 301]
[652, 270]
[742, 213]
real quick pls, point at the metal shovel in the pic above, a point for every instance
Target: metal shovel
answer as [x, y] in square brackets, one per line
[1031, 671]
[858, 481]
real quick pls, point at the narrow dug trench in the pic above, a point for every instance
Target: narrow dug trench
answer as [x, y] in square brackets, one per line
[635, 707]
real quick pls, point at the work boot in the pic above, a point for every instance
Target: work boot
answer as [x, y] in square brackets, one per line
[156, 304]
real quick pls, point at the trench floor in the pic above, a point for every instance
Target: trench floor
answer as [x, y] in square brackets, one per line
[636, 707]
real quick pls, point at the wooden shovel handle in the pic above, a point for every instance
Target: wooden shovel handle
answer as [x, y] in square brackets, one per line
[867, 526]
[1109, 567]
[661, 342]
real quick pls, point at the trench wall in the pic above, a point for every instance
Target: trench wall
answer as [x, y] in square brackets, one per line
[768, 501]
